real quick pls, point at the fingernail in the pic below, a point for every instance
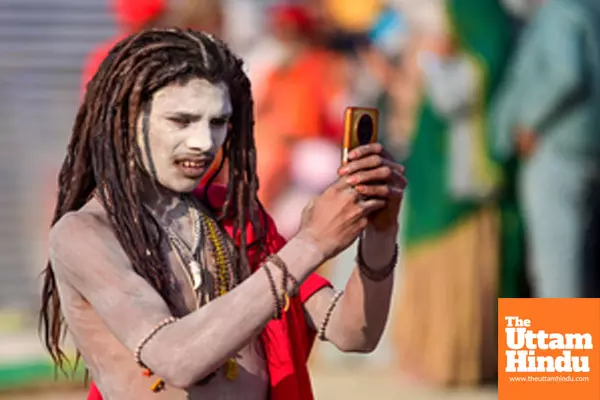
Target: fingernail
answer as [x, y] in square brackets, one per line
[343, 170]
[353, 180]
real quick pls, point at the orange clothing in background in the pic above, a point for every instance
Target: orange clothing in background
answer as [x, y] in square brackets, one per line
[294, 105]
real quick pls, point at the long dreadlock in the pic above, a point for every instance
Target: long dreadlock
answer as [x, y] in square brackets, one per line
[103, 145]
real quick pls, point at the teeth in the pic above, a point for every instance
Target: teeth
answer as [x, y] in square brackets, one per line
[191, 164]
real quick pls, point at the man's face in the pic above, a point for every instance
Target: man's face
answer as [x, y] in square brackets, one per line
[182, 132]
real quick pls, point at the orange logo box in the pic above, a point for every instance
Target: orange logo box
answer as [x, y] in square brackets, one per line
[548, 349]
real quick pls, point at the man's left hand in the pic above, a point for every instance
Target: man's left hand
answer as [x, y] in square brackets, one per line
[526, 142]
[372, 171]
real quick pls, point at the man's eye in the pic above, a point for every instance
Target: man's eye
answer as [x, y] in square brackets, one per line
[219, 122]
[182, 122]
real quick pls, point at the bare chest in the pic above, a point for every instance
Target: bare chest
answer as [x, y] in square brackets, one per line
[112, 365]
[192, 292]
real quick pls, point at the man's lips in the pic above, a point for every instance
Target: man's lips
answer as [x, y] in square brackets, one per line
[193, 167]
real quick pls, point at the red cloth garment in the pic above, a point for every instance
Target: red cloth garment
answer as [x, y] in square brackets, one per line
[292, 15]
[134, 14]
[288, 341]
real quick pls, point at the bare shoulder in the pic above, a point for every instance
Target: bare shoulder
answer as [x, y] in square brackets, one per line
[84, 234]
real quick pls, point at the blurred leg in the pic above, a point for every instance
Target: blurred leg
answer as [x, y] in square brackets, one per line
[552, 190]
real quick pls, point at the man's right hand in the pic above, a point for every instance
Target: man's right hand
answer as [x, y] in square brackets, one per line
[336, 218]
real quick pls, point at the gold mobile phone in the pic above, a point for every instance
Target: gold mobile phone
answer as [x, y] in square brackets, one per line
[360, 127]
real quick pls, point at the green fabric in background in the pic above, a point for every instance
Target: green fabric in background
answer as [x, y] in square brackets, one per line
[36, 373]
[483, 30]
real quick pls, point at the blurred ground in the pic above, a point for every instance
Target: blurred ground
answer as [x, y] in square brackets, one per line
[334, 384]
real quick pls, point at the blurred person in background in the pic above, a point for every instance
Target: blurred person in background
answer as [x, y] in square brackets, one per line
[461, 233]
[388, 36]
[345, 68]
[546, 114]
[425, 33]
[300, 98]
[156, 276]
[369, 35]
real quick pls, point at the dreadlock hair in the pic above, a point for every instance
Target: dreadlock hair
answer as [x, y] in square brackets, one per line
[103, 145]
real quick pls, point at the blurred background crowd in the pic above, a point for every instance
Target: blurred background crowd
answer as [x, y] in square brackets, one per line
[490, 104]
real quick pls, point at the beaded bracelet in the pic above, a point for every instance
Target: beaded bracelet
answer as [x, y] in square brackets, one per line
[287, 276]
[336, 297]
[147, 338]
[273, 291]
[378, 274]
[159, 384]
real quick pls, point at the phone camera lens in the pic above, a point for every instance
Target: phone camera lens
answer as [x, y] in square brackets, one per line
[365, 129]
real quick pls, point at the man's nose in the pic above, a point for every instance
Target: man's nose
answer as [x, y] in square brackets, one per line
[200, 139]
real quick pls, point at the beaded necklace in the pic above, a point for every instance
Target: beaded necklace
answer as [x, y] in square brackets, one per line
[203, 225]
[225, 282]
[194, 269]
